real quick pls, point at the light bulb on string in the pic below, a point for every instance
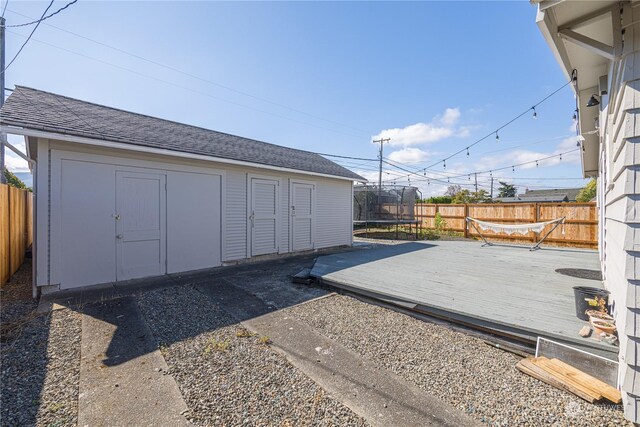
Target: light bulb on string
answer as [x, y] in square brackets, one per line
[444, 164]
[535, 113]
[428, 182]
[467, 151]
[448, 180]
[536, 163]
[513, 168]
[469, 177]
[560, 157]
[497, 136]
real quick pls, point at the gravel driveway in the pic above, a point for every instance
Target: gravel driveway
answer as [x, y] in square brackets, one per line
[226, 375]
[462, 370]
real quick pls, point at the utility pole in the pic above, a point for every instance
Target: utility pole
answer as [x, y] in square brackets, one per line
[476, 175]
[381, 141]
[3, 180]
[491, 188]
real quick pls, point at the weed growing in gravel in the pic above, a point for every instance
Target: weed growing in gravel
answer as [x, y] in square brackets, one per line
[163, 349]
[215, 345]
[265, 340]
[244, 333]
[55, 407]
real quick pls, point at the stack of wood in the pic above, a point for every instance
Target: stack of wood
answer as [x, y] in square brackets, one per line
[566, 377]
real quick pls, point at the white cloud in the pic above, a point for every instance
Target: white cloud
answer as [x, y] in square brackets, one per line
[13, 162]
[441, 127]
[409, 155]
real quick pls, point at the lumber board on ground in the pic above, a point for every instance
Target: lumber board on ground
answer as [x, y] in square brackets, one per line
[559, 374]
[528, 367]
[607, 391]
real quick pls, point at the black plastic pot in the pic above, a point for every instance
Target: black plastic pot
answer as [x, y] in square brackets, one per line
[589, 299]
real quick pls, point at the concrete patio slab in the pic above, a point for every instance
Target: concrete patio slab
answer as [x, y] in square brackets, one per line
[123, 376]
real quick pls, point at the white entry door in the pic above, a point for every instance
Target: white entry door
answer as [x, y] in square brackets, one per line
[302, 213]
[140, 224]
[263, 216]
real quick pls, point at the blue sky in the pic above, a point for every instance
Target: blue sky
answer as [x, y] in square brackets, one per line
[324, 77]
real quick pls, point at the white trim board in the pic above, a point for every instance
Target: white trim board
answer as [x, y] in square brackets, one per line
[161, 151]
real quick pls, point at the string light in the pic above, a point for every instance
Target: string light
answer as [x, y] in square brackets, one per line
[497, 136]
[535, 113]
[444, 164]
[448, 180]
[467, 151]
[560, 157]
[469, 177]
[537, 162]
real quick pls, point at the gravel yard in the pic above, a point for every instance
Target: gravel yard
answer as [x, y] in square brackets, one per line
[226, 375]
[40, 359]
[470, 375]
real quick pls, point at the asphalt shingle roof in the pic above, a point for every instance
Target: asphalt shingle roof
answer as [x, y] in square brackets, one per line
[39, 110]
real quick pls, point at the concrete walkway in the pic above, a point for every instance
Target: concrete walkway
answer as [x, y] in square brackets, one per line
[376, 394]
[123, 380]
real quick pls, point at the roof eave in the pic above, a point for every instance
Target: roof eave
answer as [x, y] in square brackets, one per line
[589, 154]
[36, 133]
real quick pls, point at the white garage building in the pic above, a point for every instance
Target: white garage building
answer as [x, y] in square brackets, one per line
[121, 195]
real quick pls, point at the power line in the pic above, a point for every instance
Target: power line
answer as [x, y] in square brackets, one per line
[28, 38]
[490, 171]
[37, 21]
[497, 130]
[193, 76]
[4, 9]
[129, 70]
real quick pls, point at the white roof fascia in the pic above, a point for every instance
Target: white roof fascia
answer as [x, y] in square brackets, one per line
[161, 151]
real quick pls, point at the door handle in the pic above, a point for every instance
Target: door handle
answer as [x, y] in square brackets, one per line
[252, 218]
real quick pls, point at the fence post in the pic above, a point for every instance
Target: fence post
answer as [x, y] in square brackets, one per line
[536, 218]
[466, 215]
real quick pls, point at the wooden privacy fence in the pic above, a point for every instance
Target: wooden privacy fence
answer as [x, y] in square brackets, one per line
[16, 228]
[580, 227]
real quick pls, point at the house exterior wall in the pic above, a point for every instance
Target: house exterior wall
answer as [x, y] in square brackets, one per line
[619, 205]
[332, 217]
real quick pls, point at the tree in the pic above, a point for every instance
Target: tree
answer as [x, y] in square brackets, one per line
[441, 200]
[13, 180]
[452, 190]
[588, 192]
[466, 196]
[506, 190]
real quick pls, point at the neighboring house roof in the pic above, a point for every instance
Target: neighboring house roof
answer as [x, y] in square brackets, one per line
[44, 111]
[522, 198]
[570, 193]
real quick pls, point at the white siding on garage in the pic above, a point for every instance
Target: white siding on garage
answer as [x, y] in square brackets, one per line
[334, 224]
[189, 246]
[236, 218]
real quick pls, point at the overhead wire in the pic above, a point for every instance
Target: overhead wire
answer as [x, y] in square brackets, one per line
[28, 38]
[184, 87]
[37, 21]
[202, 79]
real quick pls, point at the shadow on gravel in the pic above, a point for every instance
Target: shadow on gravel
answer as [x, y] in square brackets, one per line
[23, 339]
[242, 292]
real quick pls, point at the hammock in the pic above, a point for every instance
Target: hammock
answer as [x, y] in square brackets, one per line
[510, 229]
